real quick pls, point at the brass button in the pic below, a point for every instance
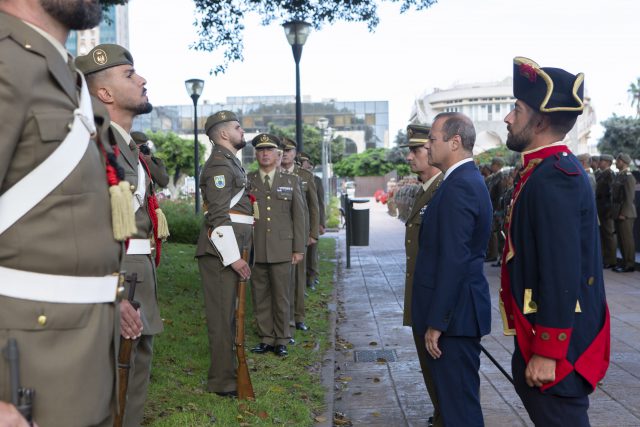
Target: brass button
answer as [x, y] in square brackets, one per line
[533, 305]
[544, 336]
[132, 187]
[268, 229]
[268, 208]
[408, 240]
[27, 46]
[408, 274]
[591, 280]
[410, 225]
[268, 197]
[70, 126]
[562, 336]
[42, 320]
[268, 219]
[408, 257]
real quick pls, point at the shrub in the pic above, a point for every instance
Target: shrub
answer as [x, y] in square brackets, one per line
[333, 216]
[184, 225]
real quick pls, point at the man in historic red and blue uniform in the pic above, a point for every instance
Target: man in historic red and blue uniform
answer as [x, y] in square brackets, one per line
[552, 293]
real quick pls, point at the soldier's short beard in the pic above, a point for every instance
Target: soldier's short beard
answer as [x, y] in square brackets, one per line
[240, 145]
[74, 14]
[519, 142]
[144, 108]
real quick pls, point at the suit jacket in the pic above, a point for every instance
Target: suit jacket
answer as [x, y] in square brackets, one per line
[623, 194]
[68, 233]
[411, 240]
[450, 292]
[552, 279]
[279, 229]
[143, 265]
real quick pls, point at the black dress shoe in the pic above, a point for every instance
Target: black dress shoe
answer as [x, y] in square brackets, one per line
[621, 269]
[311, 286]
[281, 350]
[430, 422]
[301, 326]
[496, 264]
[292, 341]
[262, 348]
[606, 266]
[231, 394]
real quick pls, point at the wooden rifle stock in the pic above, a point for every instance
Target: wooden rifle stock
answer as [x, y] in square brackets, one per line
[124, 358]
[243, 382]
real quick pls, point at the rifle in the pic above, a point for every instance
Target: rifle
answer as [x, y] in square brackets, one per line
[21, 398]
[243, 382]
[124, 357]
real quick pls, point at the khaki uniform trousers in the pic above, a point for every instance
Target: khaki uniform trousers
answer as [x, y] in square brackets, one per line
[428, 380]
[270, 292]
[624, 230]
[608, 241]
[139, 375]
[312, 263]
[298, 286]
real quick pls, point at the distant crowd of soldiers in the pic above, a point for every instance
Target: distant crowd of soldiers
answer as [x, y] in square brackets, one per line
[614, 193]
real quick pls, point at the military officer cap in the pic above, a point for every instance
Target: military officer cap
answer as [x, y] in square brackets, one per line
[417, 135]
[288, 143]
[624, 157]
[595, 158]
[497, 161]
[139, 137]
[102, 57]
[607, 157]
[547, 90]
[584, 157]
[266, 140]
[219, 117]
[304, 156]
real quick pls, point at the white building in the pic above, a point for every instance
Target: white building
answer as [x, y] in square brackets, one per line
[487, 104]
[113, 29]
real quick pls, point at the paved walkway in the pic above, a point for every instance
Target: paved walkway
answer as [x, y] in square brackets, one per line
[383, 392]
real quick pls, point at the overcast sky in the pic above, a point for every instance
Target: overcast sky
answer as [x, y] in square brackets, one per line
[455, 41]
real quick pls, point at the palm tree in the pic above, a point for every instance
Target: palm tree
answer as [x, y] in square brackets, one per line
[634, 93]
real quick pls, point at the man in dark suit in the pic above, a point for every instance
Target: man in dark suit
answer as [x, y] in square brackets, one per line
[451, 307]
[431, 178]
[552, 290]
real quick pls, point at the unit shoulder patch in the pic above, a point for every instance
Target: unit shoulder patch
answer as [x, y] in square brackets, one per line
[219, 181]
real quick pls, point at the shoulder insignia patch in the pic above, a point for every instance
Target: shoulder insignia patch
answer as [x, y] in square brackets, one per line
[564, 164]
[219, 181]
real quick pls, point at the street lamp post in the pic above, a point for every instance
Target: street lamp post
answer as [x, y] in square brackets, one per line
[194, 89]
[297, 33]
[323, 124]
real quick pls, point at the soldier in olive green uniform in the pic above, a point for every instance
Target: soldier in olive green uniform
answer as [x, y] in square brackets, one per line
[496, 189]
[279, 243]
[225, 233]
[58, 254]
[312, 221]
[604, 179]
[312, 250]
[156, 166]
[431, 177]
[623, 210]
[113, 80]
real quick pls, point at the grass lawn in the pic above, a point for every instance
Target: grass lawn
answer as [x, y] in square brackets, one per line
[288, 390]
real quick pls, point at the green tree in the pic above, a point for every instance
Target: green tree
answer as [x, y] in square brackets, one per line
[371, 162]
[312, 141]
[177, 155]
[510, 157]
[634, 93]
[401, 138]
[220, 23]
[622, 134]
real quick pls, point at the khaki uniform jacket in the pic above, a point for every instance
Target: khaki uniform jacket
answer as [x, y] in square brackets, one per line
[411, 241]
[143, 265]
[604, 179]
[311, 199]
[279, 230]
[623, 190]
[222, 178]
[321, 203]
[66, 350]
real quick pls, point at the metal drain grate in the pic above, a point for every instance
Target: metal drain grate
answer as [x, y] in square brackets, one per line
[374, 355]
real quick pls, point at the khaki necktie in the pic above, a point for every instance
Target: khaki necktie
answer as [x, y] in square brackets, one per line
[266, 182]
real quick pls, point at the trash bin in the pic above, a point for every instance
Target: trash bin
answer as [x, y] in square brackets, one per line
[359, 227]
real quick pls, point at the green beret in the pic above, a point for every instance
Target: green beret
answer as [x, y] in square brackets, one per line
[219, 117]
[102, 57]
[266, 140]
[547, 90]
[417, 135]
[607, 157]
[139, 137]
[624, 157]
[288, 143]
